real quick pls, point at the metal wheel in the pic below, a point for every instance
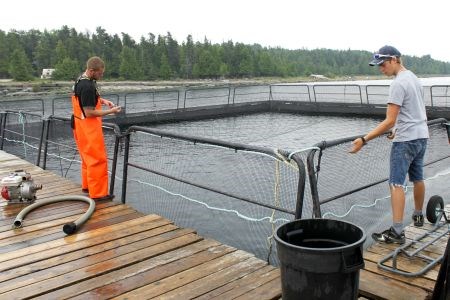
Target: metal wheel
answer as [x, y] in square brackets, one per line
[434, 207]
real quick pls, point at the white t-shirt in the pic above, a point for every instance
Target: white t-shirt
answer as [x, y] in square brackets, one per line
[407, 92]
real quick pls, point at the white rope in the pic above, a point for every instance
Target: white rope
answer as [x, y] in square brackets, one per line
[302, 150]
[407, 188]
[208, 206]
[276, 192]
[22, 119]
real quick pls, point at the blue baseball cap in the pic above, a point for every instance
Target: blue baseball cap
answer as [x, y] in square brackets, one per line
[385, 53]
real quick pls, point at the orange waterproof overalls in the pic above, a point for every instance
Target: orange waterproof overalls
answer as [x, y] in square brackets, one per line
[88, 136]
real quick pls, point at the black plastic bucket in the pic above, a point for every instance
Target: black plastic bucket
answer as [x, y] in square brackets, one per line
[320, 259]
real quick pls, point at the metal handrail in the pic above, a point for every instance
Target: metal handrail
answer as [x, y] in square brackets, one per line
[153, 92]
[4, 115]
[308, 91]
[313, 170]
[374, 94]
[336, 85]
[208, 141]
[447, 95]
[228, 88]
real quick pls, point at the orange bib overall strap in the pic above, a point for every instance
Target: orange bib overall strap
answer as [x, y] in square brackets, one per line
[88, 134]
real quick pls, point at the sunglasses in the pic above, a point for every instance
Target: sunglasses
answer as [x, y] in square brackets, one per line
[381, 56]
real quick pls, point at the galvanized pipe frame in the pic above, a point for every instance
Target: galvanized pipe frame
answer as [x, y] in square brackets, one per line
[235, 146]
[44, 139]
[3, 117]
[431, 262]
[127, 95]
[313, 169]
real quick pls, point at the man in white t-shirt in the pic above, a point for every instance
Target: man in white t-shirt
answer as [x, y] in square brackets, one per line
[407, 120]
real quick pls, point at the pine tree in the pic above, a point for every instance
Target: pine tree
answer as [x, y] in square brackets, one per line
[68, 69]
[164, 69]
[129, 67]
[19, 66]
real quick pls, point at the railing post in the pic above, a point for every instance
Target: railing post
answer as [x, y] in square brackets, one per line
[125, 166]
[314, 93]
[47, 130]
[301, 186]
[184, 101]
[2, 129]
[38, 160]
[270, 93]
[125, 102]
[360, 94]
[313, 184]
[114, 164]
[431, 96]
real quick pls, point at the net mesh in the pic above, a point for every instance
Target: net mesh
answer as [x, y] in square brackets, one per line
[21, 135]
[340, 175]
[179, 170]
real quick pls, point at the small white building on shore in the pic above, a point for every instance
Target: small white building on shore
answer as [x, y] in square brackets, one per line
[47, 73]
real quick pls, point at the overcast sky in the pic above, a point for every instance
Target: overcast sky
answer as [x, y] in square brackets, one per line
[415, 27]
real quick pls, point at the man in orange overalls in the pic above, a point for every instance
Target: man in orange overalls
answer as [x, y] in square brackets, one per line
[87, 130]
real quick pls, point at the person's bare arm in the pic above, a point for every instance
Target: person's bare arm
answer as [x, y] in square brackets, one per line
[392, 112]
[91, 112]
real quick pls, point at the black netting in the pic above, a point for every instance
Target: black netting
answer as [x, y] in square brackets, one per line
[354, 187]
[208, 187]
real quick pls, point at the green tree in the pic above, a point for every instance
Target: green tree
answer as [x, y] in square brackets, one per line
[4, 53]
[147, 52]
[19, 66]
[265, 64]
[245, 60]
[173, 54]
[68, 69]
[44, 52]
[129, 67]
[61, 52]
[147, 59]
[114, 59]
[189, 57]
[164, 70]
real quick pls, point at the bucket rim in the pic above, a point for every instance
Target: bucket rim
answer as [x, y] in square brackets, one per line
[331, 249]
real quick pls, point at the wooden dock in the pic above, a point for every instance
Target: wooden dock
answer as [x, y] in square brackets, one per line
[123, 254]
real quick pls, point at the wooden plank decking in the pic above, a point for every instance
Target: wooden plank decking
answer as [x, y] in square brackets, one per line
[119, 253]
[123, 254]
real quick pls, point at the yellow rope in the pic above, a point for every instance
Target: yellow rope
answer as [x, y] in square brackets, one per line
[276, 203]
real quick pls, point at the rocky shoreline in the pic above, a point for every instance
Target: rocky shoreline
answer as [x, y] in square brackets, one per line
[12, 89]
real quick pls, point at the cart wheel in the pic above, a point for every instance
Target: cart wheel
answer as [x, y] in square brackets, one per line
[434, 206]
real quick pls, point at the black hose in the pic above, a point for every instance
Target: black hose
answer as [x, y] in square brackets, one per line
[68, 228]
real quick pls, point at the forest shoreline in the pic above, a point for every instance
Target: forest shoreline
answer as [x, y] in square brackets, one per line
[48, 87]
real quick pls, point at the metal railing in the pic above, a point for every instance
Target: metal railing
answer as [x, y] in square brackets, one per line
[319, 153]
[149, 101]
[215, 143]
[346, 93]
[440, 95]
[291, 92]
[195, 97]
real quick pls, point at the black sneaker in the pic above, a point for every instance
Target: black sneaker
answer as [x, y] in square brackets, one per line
[418, 220]
[104, 198]
[389, 236]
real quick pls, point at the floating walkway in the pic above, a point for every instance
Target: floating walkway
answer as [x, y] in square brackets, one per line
[121, 253]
